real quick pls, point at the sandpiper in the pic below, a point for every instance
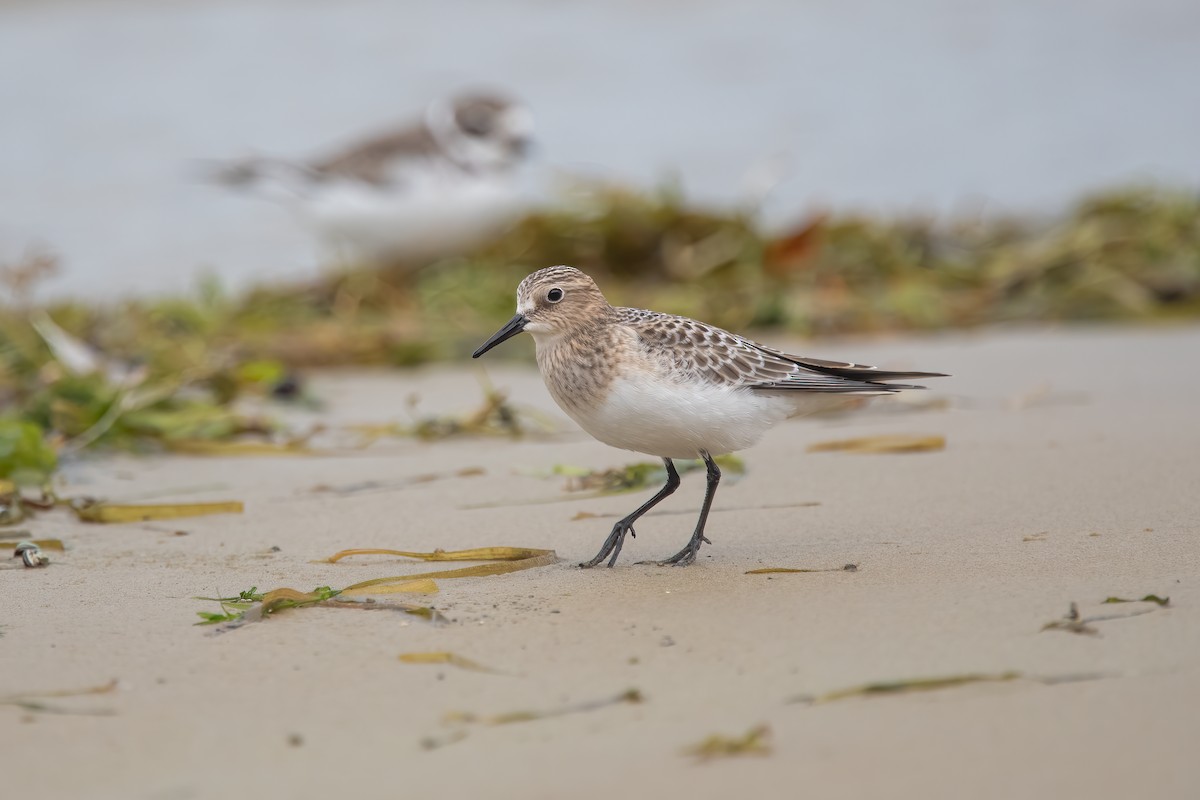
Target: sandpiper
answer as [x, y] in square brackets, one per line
[669, 386]
[435, 187]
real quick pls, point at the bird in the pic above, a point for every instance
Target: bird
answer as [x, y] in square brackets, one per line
[431, 188]
[670, 386]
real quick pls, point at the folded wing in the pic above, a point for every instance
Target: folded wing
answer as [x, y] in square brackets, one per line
[698, 350]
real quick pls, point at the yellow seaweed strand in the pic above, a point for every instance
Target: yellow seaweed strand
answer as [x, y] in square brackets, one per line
[474, 554]
[453, 659]
[545, 558]
[420, 586]
[109, 513]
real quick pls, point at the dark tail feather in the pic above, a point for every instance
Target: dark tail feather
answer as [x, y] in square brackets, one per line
[862, 372]
[247, 172]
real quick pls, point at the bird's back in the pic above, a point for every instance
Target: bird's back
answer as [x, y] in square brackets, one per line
[710, 354]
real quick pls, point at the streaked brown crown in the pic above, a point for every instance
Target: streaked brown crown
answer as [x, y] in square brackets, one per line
[582, 304]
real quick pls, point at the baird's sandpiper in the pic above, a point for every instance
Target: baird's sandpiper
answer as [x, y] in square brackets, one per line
[669, 386]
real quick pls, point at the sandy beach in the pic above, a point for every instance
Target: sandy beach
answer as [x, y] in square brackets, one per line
[1070, 476]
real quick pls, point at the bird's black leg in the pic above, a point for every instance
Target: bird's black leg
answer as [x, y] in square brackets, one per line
[617, 538]
[688, 554]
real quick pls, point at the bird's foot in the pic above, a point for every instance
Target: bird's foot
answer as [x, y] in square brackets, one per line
[685, 556]
[612, 545]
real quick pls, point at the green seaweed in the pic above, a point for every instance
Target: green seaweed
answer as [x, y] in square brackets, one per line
[148, 372]
[26, 458]
[1150, 598]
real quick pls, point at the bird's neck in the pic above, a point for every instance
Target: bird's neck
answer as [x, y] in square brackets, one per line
[578, 368]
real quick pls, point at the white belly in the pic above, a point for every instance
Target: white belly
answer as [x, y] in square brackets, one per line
[673, 420]
[421, 219]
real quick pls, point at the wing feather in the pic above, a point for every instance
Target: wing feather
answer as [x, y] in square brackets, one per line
[703, 351]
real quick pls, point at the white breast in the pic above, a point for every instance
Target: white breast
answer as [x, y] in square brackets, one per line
[678, 420]
[427, 214]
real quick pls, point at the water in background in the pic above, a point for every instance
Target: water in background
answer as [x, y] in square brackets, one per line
[936, 105]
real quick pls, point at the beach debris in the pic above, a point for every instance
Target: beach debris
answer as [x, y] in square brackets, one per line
[44, 544]
[239, 447]
[226, 614]
[16, 506]
[345, 489]
[629, 696]
[35, 701]
[1150, 598]
[30, 554]
[233, 609]
[279, 599]
[938, 683]
[164, 379]
[508, 559]
[453, 659]
[632, 477]
[89, 510]
[435, 742]
[414, 586]
[908, 685]
[754, 742]
[470, 472]
[895, 443]
[79, 358]
[1073, 622]
[495, 416]
[778, 570]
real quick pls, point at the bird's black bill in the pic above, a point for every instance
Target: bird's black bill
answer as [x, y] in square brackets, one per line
[510, 329]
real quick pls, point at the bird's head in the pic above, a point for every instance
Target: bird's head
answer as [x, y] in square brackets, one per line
[552, 303]
[483, 131]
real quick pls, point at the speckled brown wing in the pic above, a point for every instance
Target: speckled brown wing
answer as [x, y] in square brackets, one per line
[722, 358]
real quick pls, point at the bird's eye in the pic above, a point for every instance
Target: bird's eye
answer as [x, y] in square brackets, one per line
[554, 295]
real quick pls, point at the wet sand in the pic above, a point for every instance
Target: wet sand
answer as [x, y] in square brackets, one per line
[1070, 476]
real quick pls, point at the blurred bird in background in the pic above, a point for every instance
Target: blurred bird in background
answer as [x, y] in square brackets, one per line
[436, 187]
